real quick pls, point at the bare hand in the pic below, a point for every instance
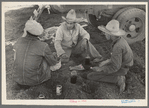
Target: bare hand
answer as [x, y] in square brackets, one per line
[98, 59]
[55, 56]
[104, 62]
[84, 43]
[96, 68]
[64, 56]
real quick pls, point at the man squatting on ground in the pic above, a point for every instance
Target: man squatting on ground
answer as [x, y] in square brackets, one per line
[33, 58]
[121, 59]
[67, 39]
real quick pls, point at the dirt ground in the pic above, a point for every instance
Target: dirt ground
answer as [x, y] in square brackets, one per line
[83, 89]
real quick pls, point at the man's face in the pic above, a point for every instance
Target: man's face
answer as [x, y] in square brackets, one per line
[70, 25]
[108, 37]
[43, 34]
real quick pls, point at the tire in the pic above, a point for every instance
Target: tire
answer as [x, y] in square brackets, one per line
[120, 11]
[53, 10]
[133, 17]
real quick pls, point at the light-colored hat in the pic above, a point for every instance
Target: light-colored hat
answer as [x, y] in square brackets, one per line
[34, 27]
[71, 16]
[112, 28]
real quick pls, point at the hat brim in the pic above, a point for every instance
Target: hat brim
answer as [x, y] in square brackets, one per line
[65, 19]
[119, 33]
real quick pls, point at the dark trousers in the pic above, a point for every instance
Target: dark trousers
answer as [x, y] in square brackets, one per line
[107, 77]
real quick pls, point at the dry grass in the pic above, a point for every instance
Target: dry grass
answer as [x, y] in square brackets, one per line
[84, 89]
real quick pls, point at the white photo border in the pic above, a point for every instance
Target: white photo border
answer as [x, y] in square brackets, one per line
[88, 102]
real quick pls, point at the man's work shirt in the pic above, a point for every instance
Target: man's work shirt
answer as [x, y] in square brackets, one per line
[122, 55]
[66, 39]
[30, 54]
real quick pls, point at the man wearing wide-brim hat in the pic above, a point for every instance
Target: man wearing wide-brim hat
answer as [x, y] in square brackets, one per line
[67, 39]
[114, 70]
[34, 60]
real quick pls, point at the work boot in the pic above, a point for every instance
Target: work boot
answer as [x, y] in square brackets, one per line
[121, 83]
[24, 87]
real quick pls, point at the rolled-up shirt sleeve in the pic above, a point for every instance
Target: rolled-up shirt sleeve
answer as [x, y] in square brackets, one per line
[58, 40]
[116, 61]
[84, 33]
[49, 57]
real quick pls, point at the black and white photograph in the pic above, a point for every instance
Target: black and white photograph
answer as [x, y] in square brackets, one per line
[75, 53]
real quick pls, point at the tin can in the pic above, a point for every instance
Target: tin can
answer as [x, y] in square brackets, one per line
[41, 96]
[87, 63]
[58, 90]
[73, 77]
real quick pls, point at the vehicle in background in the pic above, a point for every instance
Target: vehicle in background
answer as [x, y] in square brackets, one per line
[131, 17]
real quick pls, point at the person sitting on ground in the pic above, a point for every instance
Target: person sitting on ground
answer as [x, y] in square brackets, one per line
[67, 39]
[34, 60]
[114, 69]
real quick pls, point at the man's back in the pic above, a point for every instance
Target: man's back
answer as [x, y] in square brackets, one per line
[29, 56]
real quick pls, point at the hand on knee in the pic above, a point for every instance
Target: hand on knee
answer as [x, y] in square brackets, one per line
[96, 69]
[64, 58]
[84, 45]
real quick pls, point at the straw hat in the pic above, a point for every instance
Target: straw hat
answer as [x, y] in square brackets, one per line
[71, 16]
[112, 28]
[34, 27]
